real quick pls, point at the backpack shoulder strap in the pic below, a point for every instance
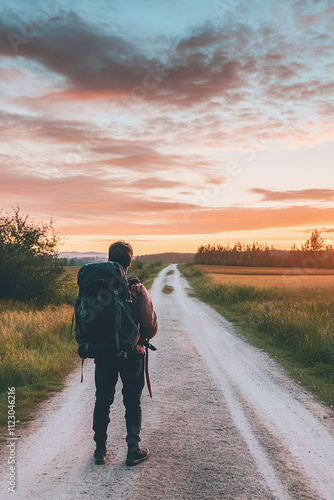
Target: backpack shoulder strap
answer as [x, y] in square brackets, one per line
[126, 309]
[133, 280]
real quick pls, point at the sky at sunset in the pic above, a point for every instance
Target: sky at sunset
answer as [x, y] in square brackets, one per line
[169, 123]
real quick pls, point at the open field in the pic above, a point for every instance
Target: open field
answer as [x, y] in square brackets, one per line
[265, 277]
[264, 271]
[296, 326]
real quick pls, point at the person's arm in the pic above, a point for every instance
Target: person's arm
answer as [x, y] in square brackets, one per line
[147, 316]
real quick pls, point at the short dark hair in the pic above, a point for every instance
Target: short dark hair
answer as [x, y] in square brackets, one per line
[121, 252]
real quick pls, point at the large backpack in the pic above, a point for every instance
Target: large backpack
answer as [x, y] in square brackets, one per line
[103, 319]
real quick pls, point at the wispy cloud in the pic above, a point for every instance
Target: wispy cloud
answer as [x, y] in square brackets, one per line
[295, 195]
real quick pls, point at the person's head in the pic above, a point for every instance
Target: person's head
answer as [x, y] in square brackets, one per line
[121, 252]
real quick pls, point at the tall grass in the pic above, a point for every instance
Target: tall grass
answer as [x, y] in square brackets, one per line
[299, 325]
[33, 344]
[36, 351]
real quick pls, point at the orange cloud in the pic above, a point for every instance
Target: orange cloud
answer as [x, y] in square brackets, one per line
[168, 219]
[88, 204]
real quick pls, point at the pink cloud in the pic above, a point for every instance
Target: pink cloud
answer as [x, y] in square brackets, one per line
[204, 221]
[92, 205]
[295, 195]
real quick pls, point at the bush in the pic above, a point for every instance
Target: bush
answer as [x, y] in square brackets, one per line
[29, 265]
[145, 272]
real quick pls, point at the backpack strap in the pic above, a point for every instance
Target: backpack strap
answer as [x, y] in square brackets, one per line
[82, 362]
[118, 319]
[128, 314]
[147, 376]
[133, 280]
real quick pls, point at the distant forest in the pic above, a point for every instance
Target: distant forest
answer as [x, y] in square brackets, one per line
[79, 261]
[165, 258]
[313, 254]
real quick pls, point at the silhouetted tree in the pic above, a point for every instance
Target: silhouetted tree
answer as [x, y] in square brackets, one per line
[315, 243]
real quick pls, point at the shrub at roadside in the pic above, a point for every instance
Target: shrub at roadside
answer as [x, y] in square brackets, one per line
[29, 266]
[145, 272]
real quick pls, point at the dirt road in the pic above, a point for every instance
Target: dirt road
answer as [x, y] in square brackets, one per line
[224, 422]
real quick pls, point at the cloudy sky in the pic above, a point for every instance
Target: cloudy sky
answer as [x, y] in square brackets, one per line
[169, 123]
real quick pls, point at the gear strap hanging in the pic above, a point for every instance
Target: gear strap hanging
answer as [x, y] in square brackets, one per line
[147, 376]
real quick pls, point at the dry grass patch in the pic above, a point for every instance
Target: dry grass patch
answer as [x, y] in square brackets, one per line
[36, 351]
[270, 277]
[267, 281]
[262, 271]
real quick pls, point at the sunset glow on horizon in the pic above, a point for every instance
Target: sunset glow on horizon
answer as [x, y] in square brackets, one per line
[169, 124]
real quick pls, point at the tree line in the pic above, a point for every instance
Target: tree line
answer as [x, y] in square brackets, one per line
[314, 253]
[78, 261]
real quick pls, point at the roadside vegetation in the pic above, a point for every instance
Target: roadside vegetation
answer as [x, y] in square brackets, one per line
[296, 326]
[37, 296]
[145, 272]
[36, 352]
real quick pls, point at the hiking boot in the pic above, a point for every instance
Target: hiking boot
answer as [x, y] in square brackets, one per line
[136, 456]
[99, 455]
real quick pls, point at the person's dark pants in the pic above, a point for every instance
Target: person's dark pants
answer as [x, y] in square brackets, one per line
[131, 370]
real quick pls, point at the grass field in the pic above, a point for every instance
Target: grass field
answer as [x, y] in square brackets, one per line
[265, 271]
[296, 326]
[268, 277]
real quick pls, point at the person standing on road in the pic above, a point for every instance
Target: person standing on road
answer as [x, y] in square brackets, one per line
[130, 367]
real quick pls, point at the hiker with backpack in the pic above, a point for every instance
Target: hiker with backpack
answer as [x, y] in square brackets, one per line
[115, 318]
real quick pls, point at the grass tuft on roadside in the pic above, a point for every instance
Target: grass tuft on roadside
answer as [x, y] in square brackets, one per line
[296, 328]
